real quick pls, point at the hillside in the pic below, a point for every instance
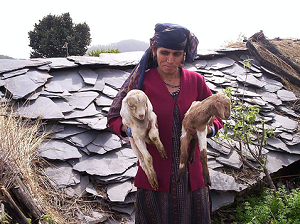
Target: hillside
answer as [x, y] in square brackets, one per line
[5, 57]
[123, 46]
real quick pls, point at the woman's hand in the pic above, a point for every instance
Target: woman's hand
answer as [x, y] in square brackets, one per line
[123, 128]
[209, 130]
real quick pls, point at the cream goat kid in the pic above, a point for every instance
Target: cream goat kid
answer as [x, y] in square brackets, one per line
[200, 115]
[137, 114]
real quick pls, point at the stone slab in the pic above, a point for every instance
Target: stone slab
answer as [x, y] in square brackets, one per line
[77, 113]
[111, 163]
[62, 175]
[113, 77]
[278, 160]
[32, 80]
[286, 95]
[7, 65]
[220, 199]
[118, 192]
[58, 150]
[97, 122]
[42, 107]
[57, 63]
[81, 100]
[65, 80]
[15, 73]
[83, 139]
[223, 182]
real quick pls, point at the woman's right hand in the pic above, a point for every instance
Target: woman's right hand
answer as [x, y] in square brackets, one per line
[123, 128]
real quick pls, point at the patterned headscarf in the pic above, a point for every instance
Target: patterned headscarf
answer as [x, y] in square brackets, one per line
[167, 35]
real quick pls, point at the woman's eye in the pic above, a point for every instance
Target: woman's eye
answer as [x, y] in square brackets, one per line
[177, 54]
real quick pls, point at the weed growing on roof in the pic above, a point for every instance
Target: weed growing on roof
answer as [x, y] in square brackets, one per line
[246, 133]
[96, 53]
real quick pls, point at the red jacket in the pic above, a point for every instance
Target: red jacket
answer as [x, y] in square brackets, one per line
[192, 87]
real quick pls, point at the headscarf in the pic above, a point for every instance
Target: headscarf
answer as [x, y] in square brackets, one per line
[167, 35]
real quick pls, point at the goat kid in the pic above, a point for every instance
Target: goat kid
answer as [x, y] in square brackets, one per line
[200, 115]
[137, 114]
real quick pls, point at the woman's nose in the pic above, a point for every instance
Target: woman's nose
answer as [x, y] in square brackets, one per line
[170, 58]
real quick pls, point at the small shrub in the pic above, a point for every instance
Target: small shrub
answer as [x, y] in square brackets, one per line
[278, 207]
[96, 53]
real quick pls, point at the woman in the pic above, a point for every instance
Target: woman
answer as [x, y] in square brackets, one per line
[171, 90]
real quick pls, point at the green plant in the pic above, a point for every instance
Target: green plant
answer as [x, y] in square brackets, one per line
[96, 53]
[48, 219]
[247, 134]
[279, 207]
[247, 63]
[3, 219]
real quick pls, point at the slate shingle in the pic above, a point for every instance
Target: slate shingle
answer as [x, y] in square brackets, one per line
[77, 92]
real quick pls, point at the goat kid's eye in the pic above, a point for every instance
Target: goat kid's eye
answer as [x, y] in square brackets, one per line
[131, 107]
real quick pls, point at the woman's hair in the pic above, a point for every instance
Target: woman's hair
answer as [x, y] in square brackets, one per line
[152, 58]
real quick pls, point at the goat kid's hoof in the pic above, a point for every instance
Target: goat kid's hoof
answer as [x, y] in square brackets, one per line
[191, 159]
[163, 154]
[179, 180]
[154, 183]
[207, 182]
[180, 175]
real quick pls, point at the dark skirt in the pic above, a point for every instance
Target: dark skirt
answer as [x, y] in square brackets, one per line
[153, 207]
[180, 205]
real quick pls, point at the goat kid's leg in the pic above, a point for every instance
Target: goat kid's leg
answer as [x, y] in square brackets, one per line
[138, 154]
[203, 159]
[203, 156]
[147, 164]
[192, 150]
[154, 137]
[184, 144]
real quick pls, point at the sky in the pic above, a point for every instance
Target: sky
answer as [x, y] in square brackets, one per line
[214, 22]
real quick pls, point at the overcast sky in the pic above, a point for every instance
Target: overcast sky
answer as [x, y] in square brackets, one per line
[213, 21]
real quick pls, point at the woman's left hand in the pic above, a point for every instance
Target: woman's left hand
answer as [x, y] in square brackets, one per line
[209, 130]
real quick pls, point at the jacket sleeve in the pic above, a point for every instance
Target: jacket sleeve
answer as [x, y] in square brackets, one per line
[115, 125]
[218, 124]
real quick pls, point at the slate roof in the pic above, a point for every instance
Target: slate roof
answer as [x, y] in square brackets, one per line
[73, 95]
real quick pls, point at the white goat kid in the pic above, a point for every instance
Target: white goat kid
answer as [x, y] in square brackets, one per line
[137, 114]
[200, 115]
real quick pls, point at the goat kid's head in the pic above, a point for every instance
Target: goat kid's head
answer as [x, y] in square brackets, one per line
[223, 105]
[137, 104]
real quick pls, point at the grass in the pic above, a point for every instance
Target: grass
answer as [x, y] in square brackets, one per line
[19, 141]
[262, 205]
[271, 207]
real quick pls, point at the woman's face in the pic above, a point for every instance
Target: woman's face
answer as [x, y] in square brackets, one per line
[168, 60]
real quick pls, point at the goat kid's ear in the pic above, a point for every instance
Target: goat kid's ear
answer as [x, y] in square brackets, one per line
[129, 103]
[149, 106]
[221, 110]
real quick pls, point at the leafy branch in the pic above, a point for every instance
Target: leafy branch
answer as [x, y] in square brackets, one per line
[247, 134]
